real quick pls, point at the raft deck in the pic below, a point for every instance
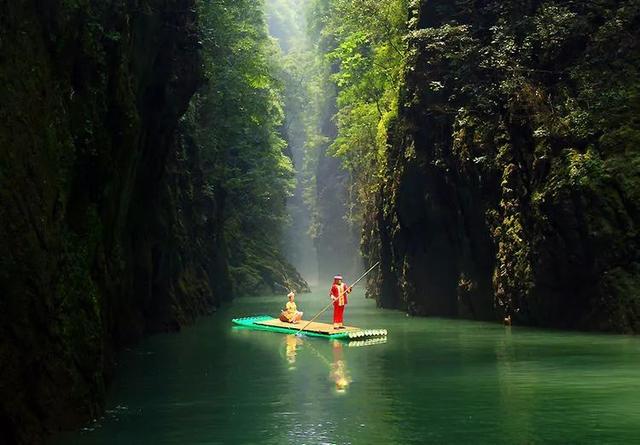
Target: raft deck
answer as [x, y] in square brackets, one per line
[320, 328]
[314, 329]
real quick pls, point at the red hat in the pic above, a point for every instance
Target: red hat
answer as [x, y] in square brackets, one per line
[337, 277]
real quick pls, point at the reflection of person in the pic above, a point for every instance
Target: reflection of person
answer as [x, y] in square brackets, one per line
[339, 368]
[338, 294]
[291, 314]
[291, 345]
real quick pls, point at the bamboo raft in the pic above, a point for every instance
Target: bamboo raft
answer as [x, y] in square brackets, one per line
[314, 329]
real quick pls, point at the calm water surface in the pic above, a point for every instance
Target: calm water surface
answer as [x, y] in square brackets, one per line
[433, 381]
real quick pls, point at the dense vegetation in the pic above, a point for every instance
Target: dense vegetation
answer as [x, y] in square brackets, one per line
[495, 149]
[294, 70]
[321, 204]
[365, 44]
[487, 153]
[362, 46]
[143, 181]
[236, 120]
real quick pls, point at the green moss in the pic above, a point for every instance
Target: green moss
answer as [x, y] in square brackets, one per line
[532, 125]
[585, 169]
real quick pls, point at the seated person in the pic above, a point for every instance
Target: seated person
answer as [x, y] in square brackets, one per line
[291, 314]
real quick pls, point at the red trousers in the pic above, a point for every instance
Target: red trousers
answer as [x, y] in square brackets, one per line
[338, 313]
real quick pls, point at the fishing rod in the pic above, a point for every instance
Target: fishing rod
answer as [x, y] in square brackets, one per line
[341, 293]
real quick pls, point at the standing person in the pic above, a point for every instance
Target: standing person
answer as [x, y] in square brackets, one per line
[291, 314]
[338, 294]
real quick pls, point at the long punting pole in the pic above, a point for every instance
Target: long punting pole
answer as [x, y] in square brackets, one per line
[330, 303]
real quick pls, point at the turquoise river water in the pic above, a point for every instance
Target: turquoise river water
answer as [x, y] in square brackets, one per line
[433, 381]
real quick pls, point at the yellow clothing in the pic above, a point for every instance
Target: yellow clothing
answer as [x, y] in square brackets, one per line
[292, 345]
[342, 289]
[291, 309]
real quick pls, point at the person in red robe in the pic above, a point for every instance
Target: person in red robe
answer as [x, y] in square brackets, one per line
[338, 294]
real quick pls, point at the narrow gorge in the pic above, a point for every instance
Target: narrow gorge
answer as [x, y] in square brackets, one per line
[161, 159]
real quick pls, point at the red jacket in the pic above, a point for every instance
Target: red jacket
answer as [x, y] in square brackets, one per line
[336, 291]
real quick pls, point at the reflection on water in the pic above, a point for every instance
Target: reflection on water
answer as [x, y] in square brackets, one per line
[339, 373]
[337, 367]
[291, 348]
[367, 342]
[431, 381]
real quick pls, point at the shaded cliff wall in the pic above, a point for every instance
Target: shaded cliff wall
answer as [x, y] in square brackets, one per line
[513, 166]
[105, 232]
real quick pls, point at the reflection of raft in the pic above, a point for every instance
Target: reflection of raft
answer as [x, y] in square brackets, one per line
[367, 341]
[267, 323]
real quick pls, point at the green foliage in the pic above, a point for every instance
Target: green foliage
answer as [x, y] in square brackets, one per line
[585, 169]
[542, 99]
[236, 119]
[364, 43]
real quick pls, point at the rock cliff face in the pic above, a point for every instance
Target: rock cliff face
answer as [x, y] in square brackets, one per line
[99, 190]
[514, 166]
